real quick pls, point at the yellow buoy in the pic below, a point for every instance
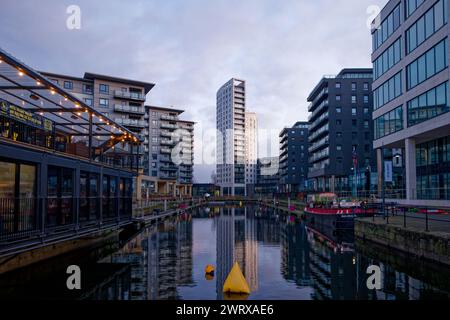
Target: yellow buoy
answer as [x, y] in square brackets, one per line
[235, 282]
[209, 269]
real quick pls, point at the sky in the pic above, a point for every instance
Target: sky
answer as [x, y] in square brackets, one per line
[189, 48]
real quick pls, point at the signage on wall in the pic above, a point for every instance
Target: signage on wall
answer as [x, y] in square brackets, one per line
[16, 113]
[388, 175]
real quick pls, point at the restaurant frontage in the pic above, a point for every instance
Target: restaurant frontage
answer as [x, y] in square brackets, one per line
[64, 167]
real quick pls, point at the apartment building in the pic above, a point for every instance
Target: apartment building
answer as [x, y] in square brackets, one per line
[293, 160]
[231, 139]
[122, 100]
[341, 157]
[251, 150]
[171, 151]
[411, 98]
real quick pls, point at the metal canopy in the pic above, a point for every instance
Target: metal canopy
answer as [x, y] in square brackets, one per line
[24, 87]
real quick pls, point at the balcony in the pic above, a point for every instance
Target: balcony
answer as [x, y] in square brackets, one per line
[168, 126]
[169, 118]
[165, 134]
[319, 144]
[320, 155]
[129, 109]
[129, 95]
[167, 142]
[318, 133]
[131, 123]
[169, 168]
[318, 121]
[166, 150]
[318, 111]
[320, 96]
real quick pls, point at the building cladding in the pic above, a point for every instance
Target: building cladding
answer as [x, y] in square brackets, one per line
[120, 99]
[293, 161]
[341, 130]
[251, 147]
[410, 57]
[230, 145]
[171, 150]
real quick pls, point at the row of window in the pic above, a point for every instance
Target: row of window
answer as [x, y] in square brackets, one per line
[426, 26]
[412, 5]
[427, 65]
[387, 28]
[389, 58]
[433, 152]
[338, 85]
[389, 123]
[354, 110]
[354, 98]
[434, 187]
[388, 91]
[428, 105]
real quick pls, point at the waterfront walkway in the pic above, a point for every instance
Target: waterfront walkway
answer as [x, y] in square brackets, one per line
[416, 222]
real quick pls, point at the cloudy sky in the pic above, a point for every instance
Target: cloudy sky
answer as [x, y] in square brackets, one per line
[189, 48]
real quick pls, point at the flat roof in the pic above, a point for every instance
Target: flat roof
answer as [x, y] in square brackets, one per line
[56, 75]
[169, 109]
[146, 85]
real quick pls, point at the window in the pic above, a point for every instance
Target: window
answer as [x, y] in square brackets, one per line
[353, 86]
[387, 28]
[354, 135]
[353, 111]
[428, 105]
[388, 91]
[338, 122]
[339, 147]
[366, 99]
[88, 88]
[389, 58]
[353, 99]
[366, 124]
[412, 5]
[104, 88]
[427, 65]
[366, 111]
[338, 85]
[68, 85]
[354, 123]
[338, 110]
[88, 101]
[338, 98]
[426, 25]
[104, 102]
[389, 123]
[339, 134]
[366, 86]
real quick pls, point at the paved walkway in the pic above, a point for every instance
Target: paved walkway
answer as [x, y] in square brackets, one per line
[417, 222]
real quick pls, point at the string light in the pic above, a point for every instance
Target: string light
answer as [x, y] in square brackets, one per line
[38, 83]
[20, 73]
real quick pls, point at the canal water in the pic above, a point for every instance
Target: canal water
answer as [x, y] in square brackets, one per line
[280, 257]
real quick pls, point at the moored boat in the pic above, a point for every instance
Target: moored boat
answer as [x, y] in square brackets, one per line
[327, 211]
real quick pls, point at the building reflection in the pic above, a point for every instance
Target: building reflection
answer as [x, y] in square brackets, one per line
[332, 270]
[236, 236]
[295, 259]
[160, 260]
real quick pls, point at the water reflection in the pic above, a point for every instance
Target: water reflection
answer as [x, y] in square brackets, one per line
[281, 259]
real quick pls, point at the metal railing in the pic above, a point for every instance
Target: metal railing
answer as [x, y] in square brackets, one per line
[419, 218]
[24, 218]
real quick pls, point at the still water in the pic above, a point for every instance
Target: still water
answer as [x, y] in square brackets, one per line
[280, 257]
